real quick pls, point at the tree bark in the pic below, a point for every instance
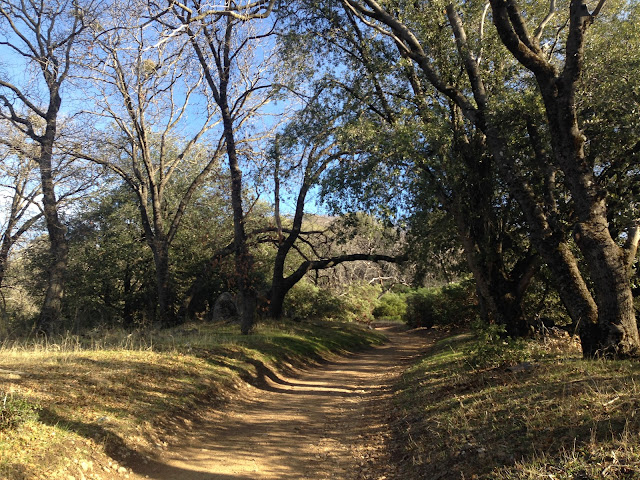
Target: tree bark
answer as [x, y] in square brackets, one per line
[127, 293]
[243, 258]
[51, 312]
[161, 259]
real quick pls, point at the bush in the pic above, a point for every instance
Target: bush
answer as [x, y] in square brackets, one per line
[494, 349]
[451, 305]
[305, 300]
[392, 306]
[360, 301]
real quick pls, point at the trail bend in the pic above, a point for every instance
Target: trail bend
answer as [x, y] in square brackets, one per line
[328, 422]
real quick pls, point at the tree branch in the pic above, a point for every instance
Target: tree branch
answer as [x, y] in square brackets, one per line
[309, 265]
[631, 245]
[537, 34]
[504, 14]
[471, 66]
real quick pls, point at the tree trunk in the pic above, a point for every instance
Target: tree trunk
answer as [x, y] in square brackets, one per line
[617, 330]
[165, 315]
[127, 310]
[501, 297]
[477, 222]
[280, 285]
[4, 256]
[278, 288]
[243, 258]
[606, 261]
[276, 301]
[51, 312]
[550, 243]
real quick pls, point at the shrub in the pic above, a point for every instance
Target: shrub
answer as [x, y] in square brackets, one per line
[305, 300]
[451, 305]
[360, 301]
[391, 306]
[493, 348]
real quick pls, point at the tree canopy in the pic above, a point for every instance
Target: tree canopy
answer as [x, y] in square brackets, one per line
[497, 138]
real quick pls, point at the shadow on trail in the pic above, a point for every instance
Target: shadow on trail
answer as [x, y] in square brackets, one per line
[298, 427]
[265, 377]
[301, 428]
[118, 450]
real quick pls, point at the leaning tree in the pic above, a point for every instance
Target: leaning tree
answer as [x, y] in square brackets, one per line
[543, 66]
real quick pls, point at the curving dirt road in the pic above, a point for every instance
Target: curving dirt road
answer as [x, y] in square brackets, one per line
[327, 423]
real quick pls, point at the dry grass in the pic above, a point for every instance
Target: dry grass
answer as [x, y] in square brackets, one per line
[559, 418]
[85, 407]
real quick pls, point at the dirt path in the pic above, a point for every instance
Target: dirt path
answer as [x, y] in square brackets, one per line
[327, 423]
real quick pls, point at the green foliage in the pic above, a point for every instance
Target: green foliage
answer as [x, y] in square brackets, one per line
[493, 348]
[392, 306]
[450, 305]
[307, 301]
[15, 411]
[111, 274]
[360, 300]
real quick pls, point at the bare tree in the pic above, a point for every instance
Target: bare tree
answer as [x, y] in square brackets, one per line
[38, 37]
[20, 190]
[233, 46]
[156, 133]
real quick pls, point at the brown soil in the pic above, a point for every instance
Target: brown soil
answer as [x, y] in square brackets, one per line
[329, 422]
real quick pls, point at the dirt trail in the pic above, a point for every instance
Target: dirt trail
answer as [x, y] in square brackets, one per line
[327, 423]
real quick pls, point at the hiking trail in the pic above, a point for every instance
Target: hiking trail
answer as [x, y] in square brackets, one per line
[327, 422]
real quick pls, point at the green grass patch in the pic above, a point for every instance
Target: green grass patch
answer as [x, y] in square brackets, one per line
[15, 411]
[81, 402]
[556, 416]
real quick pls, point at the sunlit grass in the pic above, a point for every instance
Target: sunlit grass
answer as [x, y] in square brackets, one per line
[561, 418]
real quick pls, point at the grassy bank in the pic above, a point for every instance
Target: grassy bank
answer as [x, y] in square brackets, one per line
[89, 407]
[554, 417]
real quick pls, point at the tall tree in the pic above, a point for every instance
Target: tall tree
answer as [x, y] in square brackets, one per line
[152, 96]
[39, 37]
[411, 139]
[233, 47]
